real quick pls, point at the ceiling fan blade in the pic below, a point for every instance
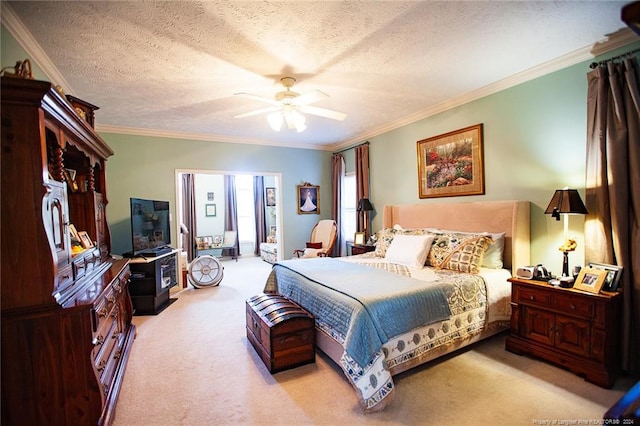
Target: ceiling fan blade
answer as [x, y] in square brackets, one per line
[256, 112]
[323, 112]
[258, 98]
[310, 97]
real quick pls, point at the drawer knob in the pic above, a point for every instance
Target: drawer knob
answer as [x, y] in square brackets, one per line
[572, 307]
[532, 297]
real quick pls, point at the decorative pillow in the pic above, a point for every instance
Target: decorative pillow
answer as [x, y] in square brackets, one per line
[384, 237]
[314, 245]
[409, 250]
[458, 252]
[493, 256]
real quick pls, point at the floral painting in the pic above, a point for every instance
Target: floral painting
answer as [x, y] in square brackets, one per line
[451, 164]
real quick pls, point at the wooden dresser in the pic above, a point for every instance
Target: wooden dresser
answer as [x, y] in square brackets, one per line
[570, 328]
[66, 315]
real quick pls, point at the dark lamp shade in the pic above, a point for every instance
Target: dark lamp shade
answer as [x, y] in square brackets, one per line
[565, 201]
[364, 205]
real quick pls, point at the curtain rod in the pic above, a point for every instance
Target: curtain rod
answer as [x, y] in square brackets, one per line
[629, 53]
[351, 147]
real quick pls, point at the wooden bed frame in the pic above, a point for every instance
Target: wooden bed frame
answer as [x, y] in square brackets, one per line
[510, 217]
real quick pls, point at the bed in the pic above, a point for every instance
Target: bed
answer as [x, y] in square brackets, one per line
[381, 313]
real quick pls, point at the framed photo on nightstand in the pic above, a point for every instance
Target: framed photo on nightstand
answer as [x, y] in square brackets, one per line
[612, 280]
[591, 280]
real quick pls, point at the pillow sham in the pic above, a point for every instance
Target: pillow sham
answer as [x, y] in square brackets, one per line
[458, 252]
[384, 237]
[409, 250]
[493, 257]
[314, 245]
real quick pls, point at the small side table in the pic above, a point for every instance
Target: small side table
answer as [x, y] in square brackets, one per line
[360, 248]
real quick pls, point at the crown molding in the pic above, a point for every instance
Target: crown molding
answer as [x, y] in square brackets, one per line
[135, 131]
[617, 40]
[22, 35]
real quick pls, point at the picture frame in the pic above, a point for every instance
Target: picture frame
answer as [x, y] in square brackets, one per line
[210, 196]
[70, 177]
[217, 241]
[85, 240]
[451, 164]
[210, 210]
[273, 229]
[270, 194]
[590, 279]
[612, 280]
[358, 239]
[204, 242]
[73, 232]
[308, 199]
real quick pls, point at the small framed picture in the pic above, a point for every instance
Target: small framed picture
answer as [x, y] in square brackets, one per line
[204, 242]
[358, 238]
[612, 281]
[590, 279]
[75, 238]
[85, 240]
[271, 196]
[210, 210]
[217, 241]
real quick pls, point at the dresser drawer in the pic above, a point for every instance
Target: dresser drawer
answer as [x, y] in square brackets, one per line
[572, 305]
[103, 308]
[535, 297]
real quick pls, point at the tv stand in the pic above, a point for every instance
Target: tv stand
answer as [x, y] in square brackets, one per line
[151, 281]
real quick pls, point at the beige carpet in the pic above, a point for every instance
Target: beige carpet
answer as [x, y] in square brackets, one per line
[192, 365]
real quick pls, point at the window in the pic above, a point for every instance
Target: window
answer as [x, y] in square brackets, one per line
[246, 217]
[349, 206]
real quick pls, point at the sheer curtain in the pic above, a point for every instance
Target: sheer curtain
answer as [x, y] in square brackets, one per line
[362, 180]
[612, 228]
[189, 215]
[259, 206]
[337, 174]
[231, 213]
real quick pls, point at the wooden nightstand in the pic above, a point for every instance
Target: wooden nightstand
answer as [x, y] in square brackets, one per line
[360, 248]
[571, 328]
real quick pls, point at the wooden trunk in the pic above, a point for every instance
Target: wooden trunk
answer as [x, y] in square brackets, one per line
[281, 331]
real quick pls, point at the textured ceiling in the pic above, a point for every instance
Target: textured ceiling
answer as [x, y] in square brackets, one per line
[173, 67]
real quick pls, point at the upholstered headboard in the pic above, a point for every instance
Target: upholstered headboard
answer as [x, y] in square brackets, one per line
[510, 217]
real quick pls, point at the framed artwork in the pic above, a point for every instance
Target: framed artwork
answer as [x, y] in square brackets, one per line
[210, 210]
[70, 177]
[451, 164]
[590, 279]
[209, 196]
[271, 196]
[308, 199]
[612, 280]
[217, 241]
[85, 240]
[358, 238]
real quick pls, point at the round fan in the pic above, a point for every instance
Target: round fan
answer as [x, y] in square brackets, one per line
[205, 271]
[288, 106]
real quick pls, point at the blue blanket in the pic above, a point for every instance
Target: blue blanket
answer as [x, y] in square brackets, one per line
[366, 306]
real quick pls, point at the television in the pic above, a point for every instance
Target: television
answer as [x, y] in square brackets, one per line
[150, 227]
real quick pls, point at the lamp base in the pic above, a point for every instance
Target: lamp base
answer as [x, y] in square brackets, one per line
[565, 263]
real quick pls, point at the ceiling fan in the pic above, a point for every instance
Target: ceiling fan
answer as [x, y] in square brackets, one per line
[288, 106]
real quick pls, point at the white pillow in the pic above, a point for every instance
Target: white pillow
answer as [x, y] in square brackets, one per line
[409, 250]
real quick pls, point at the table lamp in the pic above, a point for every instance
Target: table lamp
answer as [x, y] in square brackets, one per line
[565, 202]
[364, 206]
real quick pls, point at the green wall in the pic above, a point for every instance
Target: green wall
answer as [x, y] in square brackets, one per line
[534, 143]
[145, 167]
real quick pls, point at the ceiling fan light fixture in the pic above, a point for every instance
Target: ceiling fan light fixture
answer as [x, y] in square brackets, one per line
[275, 120]
[299, 121]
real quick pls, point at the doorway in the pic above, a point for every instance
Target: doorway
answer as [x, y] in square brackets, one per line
[209, 198]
